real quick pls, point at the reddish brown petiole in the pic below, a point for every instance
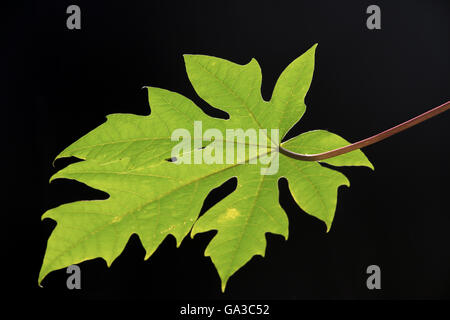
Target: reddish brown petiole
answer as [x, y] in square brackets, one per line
[371, 140]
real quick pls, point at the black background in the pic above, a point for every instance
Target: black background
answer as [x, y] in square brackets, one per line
[62, 83]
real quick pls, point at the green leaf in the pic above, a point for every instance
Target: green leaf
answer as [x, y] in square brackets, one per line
[127, 157]
[290, 90]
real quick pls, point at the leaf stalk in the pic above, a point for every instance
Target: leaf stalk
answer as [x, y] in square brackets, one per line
[368, 141]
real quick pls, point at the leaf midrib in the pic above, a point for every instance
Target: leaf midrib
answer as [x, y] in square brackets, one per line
[244, 102]
[143, 205]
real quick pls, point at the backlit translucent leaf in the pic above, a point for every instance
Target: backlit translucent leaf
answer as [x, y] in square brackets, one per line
[126, 157]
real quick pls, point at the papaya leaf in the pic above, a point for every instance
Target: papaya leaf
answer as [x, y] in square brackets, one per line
[154, 193]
